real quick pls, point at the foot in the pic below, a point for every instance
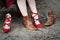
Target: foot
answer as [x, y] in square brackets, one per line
[50, 19]
[36, 20]
[6, 25]
[28, 24]
[6, 29]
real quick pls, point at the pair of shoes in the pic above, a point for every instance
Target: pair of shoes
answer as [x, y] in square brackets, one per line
[50, 20]
[28, 23]
[6, 25]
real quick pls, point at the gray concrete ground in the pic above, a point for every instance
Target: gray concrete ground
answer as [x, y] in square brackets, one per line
[18, 32]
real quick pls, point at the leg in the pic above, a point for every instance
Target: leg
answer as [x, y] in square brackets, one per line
[32, 5]
[6, 25]
[22, 7]
[34, 13]
[9, 3]
[26, 20]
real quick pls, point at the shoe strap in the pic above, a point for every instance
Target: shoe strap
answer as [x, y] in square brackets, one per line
[8, 19]
[34, 16]
[6, 24]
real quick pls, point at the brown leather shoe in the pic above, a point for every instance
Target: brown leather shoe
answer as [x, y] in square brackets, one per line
[27, 23]
[50, 19]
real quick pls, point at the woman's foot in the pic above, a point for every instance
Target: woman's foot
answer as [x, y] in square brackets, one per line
[27, 23]
[6, 25]
[50, 19]
[36, 20]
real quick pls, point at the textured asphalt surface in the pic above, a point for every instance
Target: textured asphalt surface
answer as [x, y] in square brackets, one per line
[19, 32]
